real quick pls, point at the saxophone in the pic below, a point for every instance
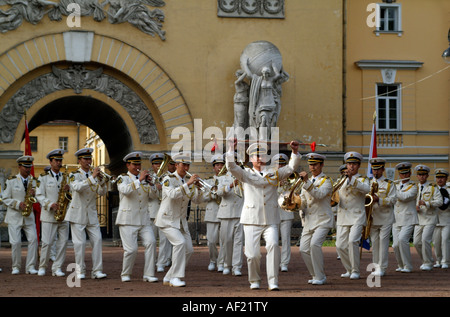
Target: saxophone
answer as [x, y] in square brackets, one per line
[64, 198]
[29, 199]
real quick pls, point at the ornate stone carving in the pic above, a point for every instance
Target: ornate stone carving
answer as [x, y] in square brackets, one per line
[134, 12]
[251, 8]
[77, 78]
[262, 67]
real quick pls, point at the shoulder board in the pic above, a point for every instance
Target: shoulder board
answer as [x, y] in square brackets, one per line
[433, 184]
[123, 174]
[12, 177]
[210, 177]
[364, 178]
[43, 174]
[171, 175]
[75, 172]
[388, 180]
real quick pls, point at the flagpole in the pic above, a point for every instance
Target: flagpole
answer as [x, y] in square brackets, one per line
[373, 145]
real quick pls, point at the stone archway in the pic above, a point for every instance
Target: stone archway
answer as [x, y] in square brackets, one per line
[82, 64]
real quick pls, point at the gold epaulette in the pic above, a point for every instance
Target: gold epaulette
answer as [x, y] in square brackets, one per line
[43, 174]
[12, 177]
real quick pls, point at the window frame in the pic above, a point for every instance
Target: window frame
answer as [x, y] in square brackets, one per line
[66, 148]
[398, 99]
[398, 21]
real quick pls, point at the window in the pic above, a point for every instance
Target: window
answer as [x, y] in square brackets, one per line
[34, 143]
[63, 143]
[388, 107]
[389, 19]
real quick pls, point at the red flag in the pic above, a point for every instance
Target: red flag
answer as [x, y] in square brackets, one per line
[215, 146]
[313, 147]
[36, 206]
[373, 146]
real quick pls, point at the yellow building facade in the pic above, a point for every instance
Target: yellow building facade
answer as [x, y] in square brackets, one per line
[185, 81]
[393, 67]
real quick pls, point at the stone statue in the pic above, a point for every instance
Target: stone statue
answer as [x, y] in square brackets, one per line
[241, 100]
[262, 65]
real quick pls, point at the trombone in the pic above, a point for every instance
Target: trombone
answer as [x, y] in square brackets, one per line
[204, 186]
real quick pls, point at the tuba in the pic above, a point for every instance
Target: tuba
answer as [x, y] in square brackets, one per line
[335, 192]
[156, 177]
[289, 200]
[64, 198]
[29, 199]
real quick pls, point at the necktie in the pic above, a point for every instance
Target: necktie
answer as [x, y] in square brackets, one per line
[87, 175]
[421, 188]
[313, 180]
[57, 177]
[25, 184]
[401, 186]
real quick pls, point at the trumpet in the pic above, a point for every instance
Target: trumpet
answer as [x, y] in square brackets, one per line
[204, 186]
[104, 175]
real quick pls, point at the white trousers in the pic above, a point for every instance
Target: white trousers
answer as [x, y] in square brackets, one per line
[79, 232]
[400, 243]
[441, 241]
[231, 241]
[423, 236]
[212, 237]
[311, 250]
[252, 236]
[347, 246]
[165, 248]
[15, 239]
[182, 250]
[129, 236]
[380, 237]
[285, 233]
[49, 230]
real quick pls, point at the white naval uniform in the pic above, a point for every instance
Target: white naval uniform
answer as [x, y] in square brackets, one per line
[260, 216]
[47, 194]
[134, 222]
[172, 219]
[441, 236]
[318, 221]
[231, 232]
[212, 223]
[165, 248]
[12, 196]
[286, 220]
[351, 218]
[382, 220]
[405, 215]
[423, 232]
[82, 216]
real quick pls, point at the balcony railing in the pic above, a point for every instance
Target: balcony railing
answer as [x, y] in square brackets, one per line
[389, 139]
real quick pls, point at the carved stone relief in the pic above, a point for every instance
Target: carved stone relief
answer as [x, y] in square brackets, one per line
[251, 8]
[77, 78]
[134, 12]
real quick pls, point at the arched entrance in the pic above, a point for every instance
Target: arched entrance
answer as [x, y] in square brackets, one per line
[97, 115]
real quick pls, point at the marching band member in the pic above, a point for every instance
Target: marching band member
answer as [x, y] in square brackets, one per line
[405, 215]
[428, 200]
[85, 185]
[13, 196]
[153, 207]
[260, 216]
[231, 232]
[133, 219]
[382, 215]
[316, 197]
[53, 232]
[172, 217]
[211, 220]
[441, 235]
[286, 217]
[351, 215]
